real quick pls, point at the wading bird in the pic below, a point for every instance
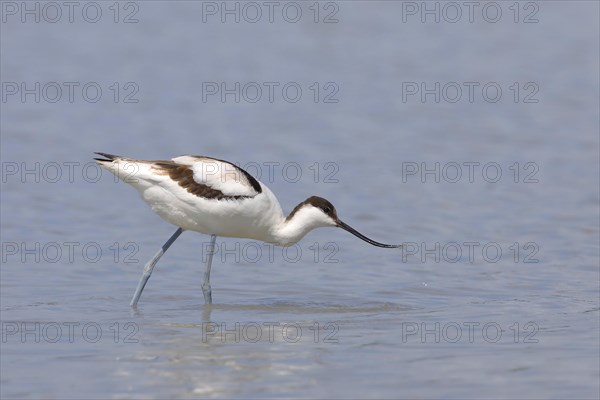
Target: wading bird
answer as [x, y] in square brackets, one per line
[216, 197]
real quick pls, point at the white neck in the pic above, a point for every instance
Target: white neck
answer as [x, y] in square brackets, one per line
[290, 231]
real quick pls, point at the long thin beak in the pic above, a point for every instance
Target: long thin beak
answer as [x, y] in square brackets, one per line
[356, 233]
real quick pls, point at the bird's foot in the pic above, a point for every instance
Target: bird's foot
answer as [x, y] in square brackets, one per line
[207, 292]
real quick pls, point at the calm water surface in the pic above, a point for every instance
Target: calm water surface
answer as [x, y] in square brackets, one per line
[495, 295]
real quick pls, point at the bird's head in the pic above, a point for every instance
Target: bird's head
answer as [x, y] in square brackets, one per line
[317, 212]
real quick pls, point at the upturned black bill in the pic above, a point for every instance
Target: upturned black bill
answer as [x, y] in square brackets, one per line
[356, 233]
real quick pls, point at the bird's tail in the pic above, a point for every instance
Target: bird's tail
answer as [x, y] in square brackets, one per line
[109, 161]
[108, 158]
[122, 167]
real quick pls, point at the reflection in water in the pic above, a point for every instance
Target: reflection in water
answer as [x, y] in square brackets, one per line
[254, 343]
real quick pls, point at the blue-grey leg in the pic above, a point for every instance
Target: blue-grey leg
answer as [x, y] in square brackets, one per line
[206, 283]
[150, 266]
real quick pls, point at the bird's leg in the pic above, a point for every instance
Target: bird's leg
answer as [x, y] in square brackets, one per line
[150, 266]
[206, 283]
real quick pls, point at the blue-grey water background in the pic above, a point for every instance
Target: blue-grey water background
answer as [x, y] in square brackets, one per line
[341, 319]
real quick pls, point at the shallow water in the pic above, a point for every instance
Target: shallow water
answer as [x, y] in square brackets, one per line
[448, 316]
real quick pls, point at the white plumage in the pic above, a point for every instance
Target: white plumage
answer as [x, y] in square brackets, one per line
[218, 198]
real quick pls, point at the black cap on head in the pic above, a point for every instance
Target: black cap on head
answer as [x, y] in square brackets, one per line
[328, 208]
[318, 202]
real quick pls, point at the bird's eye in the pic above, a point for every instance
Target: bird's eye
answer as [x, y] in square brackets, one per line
[327, 210]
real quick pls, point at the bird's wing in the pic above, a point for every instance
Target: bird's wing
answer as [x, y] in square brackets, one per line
[211, 177]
